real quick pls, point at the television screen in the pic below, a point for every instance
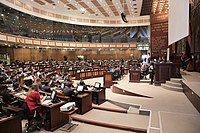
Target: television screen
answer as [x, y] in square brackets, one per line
[79, 88]
[97, 85]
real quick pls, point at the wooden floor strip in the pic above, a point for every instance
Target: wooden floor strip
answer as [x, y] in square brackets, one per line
[115, 126]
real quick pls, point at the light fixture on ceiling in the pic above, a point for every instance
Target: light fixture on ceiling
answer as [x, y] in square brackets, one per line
[83, 10]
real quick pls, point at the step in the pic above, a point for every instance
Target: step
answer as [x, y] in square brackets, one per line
[176, 80]
[173, 88]
[125, 121]
[133, 110]
[153, 130]
[175, 84]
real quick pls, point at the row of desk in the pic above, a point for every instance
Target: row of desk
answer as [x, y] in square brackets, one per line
[55, 118]
[89, 74]
[108, 80]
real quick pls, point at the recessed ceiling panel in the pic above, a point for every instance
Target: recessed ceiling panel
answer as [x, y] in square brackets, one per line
[39, 2]
[86, 10]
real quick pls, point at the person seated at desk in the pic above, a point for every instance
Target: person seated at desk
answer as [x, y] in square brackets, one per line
[69, 88]
[33, 99]
[82, 83]
[46, 88]
[68, 91]
[29, 79]
[68, 82]
[38, 82]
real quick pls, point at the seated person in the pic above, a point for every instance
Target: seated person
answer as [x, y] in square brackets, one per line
[68, 83]
[46, 88]
[33, 97]
[38, 82]
[68, 91]
[28, 80]
[34, 101]
[82, 83]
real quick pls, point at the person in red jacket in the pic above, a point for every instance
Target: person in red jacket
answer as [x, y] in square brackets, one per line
[33, 98]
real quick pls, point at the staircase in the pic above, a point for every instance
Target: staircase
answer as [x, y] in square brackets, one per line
[174, 85]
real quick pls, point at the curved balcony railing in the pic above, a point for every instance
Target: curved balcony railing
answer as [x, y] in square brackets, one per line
[8, 39]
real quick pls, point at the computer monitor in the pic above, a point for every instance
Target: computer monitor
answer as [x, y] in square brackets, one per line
[97, 85]
[50, 82]
[53, 96]
[62, 86]
[80, 88]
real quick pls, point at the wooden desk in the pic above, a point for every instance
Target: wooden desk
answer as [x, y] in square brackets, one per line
[55, 118]
[11, 124]
[134, 76]
[98, 96]
[83, 102]
[14, 110]
[89, 74]
[107, 80]
[162, 73]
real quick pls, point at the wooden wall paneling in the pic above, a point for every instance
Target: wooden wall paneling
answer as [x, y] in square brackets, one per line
[159, 34]
[35, 55]
[58, 54]
[22, 54]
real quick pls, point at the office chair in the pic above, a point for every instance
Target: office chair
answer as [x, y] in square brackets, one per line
[34, 120]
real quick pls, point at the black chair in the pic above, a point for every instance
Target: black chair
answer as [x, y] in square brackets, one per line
[34, 119]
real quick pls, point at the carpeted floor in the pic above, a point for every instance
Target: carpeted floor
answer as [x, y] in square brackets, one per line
[171, 111]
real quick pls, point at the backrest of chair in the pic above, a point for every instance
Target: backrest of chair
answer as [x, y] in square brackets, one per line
[26, 109]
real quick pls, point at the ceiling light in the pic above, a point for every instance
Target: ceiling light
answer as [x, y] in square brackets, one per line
[82, 9]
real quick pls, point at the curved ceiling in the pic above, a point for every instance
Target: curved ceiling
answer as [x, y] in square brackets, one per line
[108, 10]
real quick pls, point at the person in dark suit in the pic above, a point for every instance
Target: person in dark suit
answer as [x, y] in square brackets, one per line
[82, 82]
[68, 91]
[46, 88]
[151, 71]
